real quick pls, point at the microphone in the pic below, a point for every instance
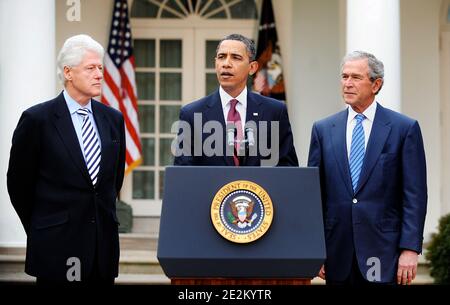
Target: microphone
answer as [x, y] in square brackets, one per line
[230, 134]
[250, 136]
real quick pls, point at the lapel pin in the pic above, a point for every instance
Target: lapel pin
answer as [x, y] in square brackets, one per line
[255, 113]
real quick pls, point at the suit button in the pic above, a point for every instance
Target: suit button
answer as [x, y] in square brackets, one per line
[92, 220]
[355, 200]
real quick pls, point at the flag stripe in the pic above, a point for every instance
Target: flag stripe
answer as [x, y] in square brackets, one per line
[119, 87]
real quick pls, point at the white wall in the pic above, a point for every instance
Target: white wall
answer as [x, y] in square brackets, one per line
[317, 36]
[27, 76]
[420, 88]
[95, 21]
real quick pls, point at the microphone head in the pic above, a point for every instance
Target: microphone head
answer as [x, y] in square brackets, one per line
[250, 136]
[230, 134]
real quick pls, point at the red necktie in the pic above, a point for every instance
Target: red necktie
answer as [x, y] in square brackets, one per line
[235, 118]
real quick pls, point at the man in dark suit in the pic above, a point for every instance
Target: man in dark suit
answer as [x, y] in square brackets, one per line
[234, 105]
[65, 171]
[373, 177]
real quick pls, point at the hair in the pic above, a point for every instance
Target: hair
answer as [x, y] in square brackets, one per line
[73, 51]
[376, 67]
[249, 44]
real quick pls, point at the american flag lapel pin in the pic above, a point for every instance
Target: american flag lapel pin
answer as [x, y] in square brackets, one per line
[255, 113]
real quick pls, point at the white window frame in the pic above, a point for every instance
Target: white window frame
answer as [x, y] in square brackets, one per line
[193, 31]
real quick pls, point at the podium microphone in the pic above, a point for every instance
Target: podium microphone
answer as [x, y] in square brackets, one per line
[250, 136]
[230, 134]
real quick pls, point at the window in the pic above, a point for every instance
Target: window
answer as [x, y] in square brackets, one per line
[208, 9]
[174, 46]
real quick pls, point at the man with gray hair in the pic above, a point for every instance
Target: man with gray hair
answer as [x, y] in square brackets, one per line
[373, 178]
[65, 171]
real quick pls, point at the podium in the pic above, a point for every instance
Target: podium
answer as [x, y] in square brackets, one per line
[193, 250]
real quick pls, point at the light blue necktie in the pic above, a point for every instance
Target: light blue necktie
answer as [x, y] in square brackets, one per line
[91, 145]
[357, 150]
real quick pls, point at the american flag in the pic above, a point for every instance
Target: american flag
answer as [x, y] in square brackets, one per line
[119, 86]
[269, 78]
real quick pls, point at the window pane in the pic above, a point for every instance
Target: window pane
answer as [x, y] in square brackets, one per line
[244, 10]
[219, 15]
[144, 8]
[148, 148]
[168, 115]
[147, 118]
[173, 5]
[167, 14]
[144, 50]
[211, 83]
[165, 154]
[211, 46]
[214, 5]
[161, 184]
[171, 54]
[145, 82]
[170, 86]
[143, 184]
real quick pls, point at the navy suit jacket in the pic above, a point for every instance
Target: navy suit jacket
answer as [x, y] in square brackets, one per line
[259, 108]
[387, 211]
[62, 213]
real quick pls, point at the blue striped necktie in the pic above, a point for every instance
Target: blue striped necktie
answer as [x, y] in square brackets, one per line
[91, 145]
[357, 150]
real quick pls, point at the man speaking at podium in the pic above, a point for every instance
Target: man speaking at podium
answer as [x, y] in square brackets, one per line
[233, 126]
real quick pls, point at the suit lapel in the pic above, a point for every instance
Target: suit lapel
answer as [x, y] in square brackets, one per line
[378, 136]
[338, 136]
[64, 126]
[105, 136]
[254, 113]
[254, 109]
[214, 112]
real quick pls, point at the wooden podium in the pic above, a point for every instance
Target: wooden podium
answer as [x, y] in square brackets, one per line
[192, 252]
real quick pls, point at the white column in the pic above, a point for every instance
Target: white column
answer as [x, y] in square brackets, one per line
[27, 76]
[374, 26]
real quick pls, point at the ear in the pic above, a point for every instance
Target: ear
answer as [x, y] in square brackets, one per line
[376, 85]
[253, 67]
[67, 73]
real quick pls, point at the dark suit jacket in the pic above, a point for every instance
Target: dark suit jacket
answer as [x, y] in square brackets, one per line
[62, 213]
[391, 197]
[267, 109]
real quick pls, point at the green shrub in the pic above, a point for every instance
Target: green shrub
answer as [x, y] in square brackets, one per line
[438, 253]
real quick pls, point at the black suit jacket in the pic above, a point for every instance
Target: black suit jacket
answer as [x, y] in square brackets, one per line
[259, 109]
[63, 215]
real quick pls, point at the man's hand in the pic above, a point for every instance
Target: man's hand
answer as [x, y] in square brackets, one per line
[407, 267]
[322, 272]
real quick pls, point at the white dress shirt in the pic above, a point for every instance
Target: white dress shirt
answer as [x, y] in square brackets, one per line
[77, 119]
[241, 107]
[367, 123]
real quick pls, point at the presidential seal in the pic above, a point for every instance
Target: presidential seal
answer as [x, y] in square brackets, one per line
[242, 211]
